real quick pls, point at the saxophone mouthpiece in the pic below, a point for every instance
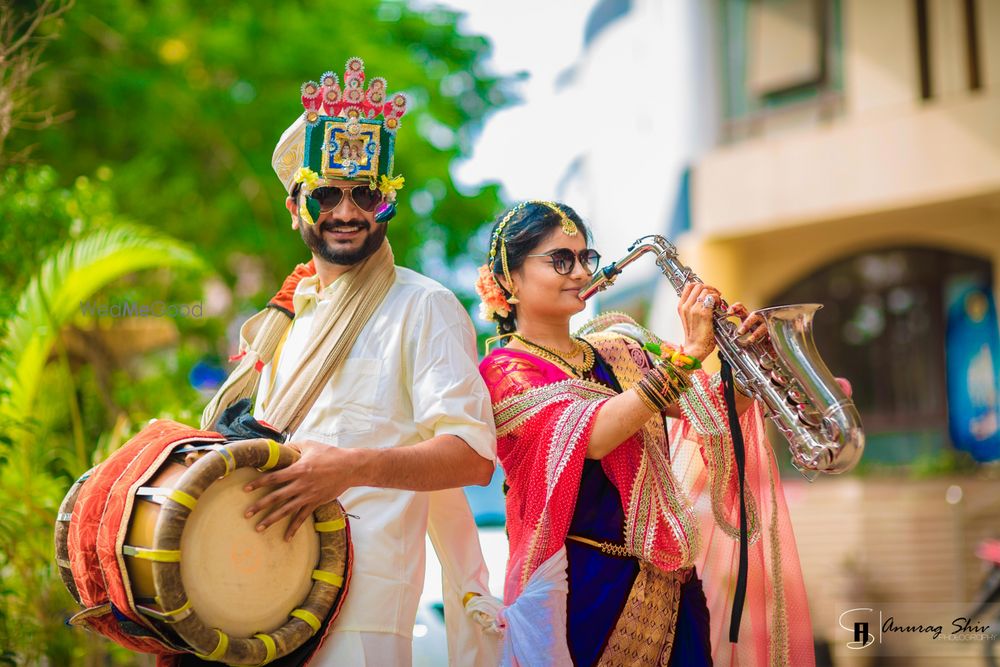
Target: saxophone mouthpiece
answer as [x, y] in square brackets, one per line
[602, 279]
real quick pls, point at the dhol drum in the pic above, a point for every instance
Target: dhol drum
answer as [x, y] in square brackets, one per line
[194, 572]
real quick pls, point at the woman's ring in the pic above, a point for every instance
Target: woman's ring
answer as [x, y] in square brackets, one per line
[708, 301]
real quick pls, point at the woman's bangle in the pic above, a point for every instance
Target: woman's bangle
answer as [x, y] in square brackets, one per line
[678, 377]
[647, 400]
[662, 385]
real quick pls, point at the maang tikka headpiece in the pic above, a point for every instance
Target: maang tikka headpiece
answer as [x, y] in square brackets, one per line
[491, 292]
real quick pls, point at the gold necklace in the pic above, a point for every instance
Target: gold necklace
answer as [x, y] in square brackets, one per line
[553, 356]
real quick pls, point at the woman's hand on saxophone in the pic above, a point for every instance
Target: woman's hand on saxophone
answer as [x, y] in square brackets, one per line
[696, 307]
[750, 322]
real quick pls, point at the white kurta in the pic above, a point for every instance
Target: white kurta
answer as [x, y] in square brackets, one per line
[411, 375]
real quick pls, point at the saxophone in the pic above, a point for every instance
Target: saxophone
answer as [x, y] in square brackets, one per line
[799, 393]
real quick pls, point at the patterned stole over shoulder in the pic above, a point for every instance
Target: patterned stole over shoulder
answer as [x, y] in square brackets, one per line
[356, 296]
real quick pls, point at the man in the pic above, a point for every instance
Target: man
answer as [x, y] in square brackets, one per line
[403, 412]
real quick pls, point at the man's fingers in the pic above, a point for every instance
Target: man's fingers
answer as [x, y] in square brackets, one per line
[297, 522]
[277, 514]
[272, 478]
[272, 498]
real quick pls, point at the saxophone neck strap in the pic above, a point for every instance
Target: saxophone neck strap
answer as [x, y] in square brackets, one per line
[739, 452]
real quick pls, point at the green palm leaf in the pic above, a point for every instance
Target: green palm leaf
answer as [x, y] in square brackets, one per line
[70, 276]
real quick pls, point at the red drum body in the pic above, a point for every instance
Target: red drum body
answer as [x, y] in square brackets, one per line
[154, 545]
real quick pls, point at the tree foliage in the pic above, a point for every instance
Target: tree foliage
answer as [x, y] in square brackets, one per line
[68, 279]
[51, 428]
[25, 29]
[185, 101]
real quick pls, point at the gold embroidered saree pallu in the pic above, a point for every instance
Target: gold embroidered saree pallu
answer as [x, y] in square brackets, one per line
[644, 635]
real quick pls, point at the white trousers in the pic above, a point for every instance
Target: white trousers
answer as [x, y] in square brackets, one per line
[367, 649]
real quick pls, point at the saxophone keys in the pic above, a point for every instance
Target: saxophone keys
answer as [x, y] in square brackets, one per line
[796, 395]
[832, 430]
[809, 415]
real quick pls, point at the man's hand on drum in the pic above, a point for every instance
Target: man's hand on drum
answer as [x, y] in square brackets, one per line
[320, 475]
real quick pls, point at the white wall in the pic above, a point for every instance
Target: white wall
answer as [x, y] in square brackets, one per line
[646, 107]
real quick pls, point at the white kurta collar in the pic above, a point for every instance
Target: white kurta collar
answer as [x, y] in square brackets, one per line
[308, 291]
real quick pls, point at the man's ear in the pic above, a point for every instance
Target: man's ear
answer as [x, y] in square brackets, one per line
[293, 210]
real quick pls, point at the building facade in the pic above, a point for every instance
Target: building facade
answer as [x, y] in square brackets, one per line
[859, 166]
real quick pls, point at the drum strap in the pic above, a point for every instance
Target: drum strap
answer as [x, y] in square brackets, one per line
[269, 646]
[308, 617]
[355, 297]
[328, 578]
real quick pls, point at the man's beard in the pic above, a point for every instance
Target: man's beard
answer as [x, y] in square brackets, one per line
[313, 237]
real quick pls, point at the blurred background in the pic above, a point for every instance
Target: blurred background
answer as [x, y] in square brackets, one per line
[845, 152]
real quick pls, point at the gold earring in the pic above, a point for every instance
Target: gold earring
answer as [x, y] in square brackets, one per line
[512, 299]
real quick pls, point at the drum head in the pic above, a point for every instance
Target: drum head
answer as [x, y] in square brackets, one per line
[241, 581]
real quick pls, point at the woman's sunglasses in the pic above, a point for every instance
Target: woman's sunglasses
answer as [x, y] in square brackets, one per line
[329, 197]
[564, 259]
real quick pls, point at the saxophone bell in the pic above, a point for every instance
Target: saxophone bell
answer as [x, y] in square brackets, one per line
[812, 393]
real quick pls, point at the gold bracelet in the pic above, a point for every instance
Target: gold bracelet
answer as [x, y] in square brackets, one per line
[646, 400]
[651, 388]
[670, 386]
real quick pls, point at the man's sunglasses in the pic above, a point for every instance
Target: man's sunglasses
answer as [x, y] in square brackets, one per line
[564, 259]
[329, 197]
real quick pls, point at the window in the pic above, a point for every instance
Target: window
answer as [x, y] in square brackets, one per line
[779, 55]
[924, 15]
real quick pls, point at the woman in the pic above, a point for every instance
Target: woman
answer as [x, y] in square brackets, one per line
[607, 552]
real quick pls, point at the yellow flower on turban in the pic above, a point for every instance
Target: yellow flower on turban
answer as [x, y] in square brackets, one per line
[308, 177]
[389, 186]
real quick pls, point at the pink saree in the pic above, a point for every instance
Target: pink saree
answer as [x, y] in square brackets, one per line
[679, 496]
